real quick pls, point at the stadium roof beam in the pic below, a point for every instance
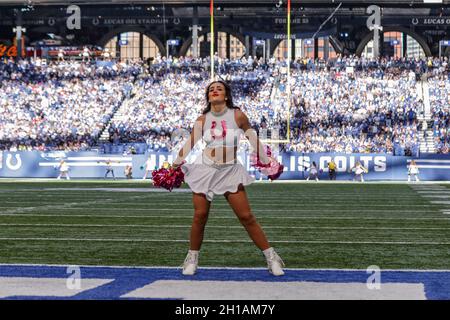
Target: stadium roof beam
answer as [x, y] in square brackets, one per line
[362, 3]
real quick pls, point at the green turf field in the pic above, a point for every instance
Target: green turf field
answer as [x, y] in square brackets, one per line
[312, 225]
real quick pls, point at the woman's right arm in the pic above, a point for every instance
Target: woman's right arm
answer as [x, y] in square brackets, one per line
[196, 135]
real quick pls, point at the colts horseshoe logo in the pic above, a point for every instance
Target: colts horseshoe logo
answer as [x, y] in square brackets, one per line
[224, 129]
[11, 166]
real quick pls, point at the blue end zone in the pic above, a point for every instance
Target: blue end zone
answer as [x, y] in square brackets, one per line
[437, 284]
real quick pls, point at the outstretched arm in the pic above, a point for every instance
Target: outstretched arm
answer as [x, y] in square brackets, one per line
[252, 136]
[195, 136]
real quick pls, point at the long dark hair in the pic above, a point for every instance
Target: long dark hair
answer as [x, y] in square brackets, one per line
[228, 95]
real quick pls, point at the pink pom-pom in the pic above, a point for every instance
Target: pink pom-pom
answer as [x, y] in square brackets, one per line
[279, 167]
[256, 162]
[168, 178]
[273, 169]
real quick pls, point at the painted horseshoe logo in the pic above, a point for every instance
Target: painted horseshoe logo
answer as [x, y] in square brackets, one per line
[334, 20]
[51, 21]
[176, 21]
[11, 166]
[415, 21]
[95, 21]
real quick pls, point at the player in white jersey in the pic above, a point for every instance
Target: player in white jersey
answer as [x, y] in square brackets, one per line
[217, 172]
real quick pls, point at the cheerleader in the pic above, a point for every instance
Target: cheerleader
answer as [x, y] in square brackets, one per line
[148, 167]
[413, 170]
[216, 171]
[63, 170]
[313, 173]
[359, 171]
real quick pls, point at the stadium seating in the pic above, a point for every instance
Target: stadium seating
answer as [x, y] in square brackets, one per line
[373, 108]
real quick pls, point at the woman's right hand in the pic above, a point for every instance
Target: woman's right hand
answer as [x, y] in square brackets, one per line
[176, 165]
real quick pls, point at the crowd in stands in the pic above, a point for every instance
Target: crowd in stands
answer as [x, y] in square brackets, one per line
[356, 112]
[348, 104]
[440, 111]
[59, 105]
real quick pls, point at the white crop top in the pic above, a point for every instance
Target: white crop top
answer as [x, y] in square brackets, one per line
[221, 131]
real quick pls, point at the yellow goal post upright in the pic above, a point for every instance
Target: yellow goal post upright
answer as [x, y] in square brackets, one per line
[288, 85]
[211, 12]
[289, 57]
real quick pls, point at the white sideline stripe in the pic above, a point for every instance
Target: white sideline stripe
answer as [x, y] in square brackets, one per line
[149, 190]
[84, 164]
[429, 166]
[213, 217]
[44, 287]
[100, 158]
[227, 241]
[261, 290]
[214, 268]
[303, 181]
[188, 226]
[430, 160]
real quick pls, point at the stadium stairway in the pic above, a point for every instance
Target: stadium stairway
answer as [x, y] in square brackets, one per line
[117, 116]
[426, 137]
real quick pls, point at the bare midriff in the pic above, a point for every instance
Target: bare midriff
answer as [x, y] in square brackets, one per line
[221, 155]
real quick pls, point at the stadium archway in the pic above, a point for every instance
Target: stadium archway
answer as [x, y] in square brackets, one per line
[416, 44]
[228, 44]
[131, 43]
[321, 48]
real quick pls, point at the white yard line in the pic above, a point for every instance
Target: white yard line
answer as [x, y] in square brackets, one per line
[447, 196]
[212, 216]
[215, 210]
[255, 204]
[68, 225]
[213, 268]
[224, 241]
[440, 202]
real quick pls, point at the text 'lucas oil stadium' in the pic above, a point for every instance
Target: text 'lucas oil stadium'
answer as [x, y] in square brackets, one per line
[348, 101]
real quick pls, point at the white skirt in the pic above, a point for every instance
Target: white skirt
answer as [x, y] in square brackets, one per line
[205, 176]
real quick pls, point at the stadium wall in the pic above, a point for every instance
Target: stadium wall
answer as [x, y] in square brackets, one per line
[35, 164]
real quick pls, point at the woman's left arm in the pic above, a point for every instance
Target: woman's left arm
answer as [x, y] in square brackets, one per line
[250, 133]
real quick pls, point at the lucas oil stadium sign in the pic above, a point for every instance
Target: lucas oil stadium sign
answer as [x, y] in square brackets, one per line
[35, 164]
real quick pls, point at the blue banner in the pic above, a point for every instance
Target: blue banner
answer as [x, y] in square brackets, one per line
[35, 164]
